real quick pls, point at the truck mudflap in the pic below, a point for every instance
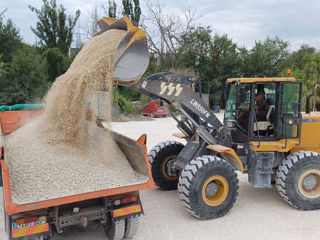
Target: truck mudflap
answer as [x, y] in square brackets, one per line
[30, 228]
[127, 211]
[132, 208]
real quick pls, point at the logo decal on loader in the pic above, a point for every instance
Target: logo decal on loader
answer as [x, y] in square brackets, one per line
[171, 88]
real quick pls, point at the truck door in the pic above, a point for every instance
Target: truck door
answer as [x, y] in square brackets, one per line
[289, 118]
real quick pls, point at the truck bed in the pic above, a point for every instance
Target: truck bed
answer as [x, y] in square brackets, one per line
[135, 153]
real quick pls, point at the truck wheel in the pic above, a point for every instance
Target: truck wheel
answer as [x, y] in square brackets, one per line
[298, 180]
[208, 187]
[160, 156]
[132, 225]
[115, 230]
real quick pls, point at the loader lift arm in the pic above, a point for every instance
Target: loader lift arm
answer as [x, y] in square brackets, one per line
[173, 89]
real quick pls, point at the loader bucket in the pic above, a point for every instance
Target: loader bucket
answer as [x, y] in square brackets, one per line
[132, 58]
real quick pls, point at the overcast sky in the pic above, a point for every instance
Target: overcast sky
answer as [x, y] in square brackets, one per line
[245, 21]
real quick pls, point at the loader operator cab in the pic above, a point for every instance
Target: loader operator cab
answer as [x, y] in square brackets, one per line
[263, 108]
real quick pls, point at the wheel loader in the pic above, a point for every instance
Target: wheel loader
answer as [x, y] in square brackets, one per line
[264, 134]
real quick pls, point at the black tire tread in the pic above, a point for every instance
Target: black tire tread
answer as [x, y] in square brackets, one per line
[132, 226]
[156, 163]
[188, 175]
[284, 169]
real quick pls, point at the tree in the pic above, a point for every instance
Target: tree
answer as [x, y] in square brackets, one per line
[94, 20]
[297, 56]
[26, 77]
[225, 64]
[165, 33]
[112, 9]
[309, 72]
[198, 46]
[90, 27]
[2, 66]
[54, 28]
[10, 39]
[134, 12]
[57, 63]
[267, 58]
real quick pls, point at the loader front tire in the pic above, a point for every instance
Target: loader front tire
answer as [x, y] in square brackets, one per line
[298, 180]
[159, 157]
[208, 187]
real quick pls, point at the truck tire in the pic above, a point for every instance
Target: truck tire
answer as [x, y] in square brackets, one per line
[298, 180]
[115, 231]
[159, 156]
[132, 226]
[208, 187]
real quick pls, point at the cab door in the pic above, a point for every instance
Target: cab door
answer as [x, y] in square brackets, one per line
[289, 117]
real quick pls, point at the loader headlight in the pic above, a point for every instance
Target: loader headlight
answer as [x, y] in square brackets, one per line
[230, 124]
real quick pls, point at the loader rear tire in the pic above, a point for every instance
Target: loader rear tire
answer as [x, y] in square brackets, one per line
[132, 226]
[208, 187]
[159, 157]
[116, 229]
[298, 180]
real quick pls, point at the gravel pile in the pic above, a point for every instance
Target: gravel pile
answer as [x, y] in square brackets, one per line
[61, 153]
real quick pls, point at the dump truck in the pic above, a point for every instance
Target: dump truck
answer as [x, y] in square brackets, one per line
[117, 209]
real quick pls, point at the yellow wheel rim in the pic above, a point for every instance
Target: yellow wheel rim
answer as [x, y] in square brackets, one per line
[164, 169]
[311, 190]
[221, 193]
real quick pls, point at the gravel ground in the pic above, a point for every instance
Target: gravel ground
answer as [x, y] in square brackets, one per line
[258, 213]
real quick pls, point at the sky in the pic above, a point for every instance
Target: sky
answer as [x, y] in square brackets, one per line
[245, 21]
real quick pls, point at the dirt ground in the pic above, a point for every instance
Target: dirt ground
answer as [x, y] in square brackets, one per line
[257, 214]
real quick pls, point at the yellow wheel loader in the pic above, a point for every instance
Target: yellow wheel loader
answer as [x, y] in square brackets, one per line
[264, 134]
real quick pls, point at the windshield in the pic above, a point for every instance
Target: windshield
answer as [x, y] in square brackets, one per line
[238, 104]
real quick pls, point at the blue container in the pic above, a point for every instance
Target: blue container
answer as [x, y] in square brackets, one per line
[216, 108]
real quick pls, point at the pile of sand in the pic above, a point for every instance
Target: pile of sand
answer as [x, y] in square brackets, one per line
[61, 153]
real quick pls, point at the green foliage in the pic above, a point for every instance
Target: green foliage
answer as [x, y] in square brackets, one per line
[25, 79]
[54, 28]
[197, 55]
[296, 57]
[129, 94]
[112, 9]
[133, 12]
[57, 63]
[121, 103]
[10, 39]
[2, 67]
[225, 64]
[144, 99]
[267, 58]
[309, 71]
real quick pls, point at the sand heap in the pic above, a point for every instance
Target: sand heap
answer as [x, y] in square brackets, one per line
[61, 153]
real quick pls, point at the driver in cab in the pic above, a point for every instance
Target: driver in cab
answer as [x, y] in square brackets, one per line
[261, 107]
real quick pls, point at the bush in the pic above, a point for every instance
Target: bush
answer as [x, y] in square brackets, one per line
[121, 103]
[144, 99]
[25, 79]
[57, 63]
